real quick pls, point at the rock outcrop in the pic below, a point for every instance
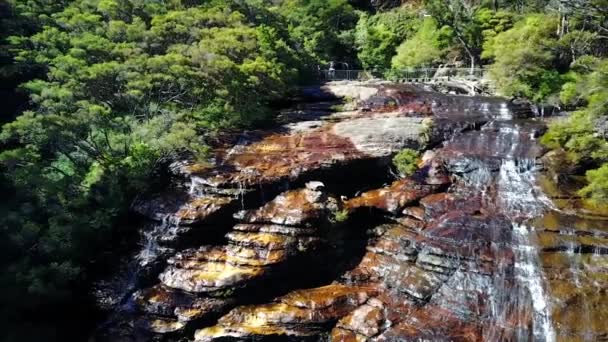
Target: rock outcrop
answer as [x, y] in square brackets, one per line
[204, 282]
[301, 313]
[466, 249]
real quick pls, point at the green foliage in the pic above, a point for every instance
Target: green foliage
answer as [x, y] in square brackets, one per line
[322, 27]
[341, 216]
[597, 189]
[459, 16]
[425, 48]
[491, 23]
[128, 85]
[579, 134]
[407, 161]
[524, 58]
[377, 36]
[578, 137]
[426, 134]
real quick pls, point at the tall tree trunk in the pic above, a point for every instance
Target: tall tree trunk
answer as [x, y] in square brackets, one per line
[467, 49]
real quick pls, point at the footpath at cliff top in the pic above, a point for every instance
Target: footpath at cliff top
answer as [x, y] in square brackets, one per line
[303, 233]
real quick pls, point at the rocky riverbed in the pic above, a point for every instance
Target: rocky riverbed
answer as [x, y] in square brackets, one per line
[303, 232]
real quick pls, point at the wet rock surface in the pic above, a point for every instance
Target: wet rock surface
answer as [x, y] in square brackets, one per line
[466, 249]
[392, 199]
[300, 313]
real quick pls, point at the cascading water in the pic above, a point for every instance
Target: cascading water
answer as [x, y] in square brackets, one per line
[151, 249]
[465, 260]
[498, 164]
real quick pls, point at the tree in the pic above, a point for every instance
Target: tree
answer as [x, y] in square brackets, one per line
[377, 36]
[459, 16]
[425, 48]
[583, 135]
[321, 28]
[126, 86]
[525, 58]
[597, 189]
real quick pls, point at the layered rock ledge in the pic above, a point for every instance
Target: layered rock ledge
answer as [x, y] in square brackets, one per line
[448, 254]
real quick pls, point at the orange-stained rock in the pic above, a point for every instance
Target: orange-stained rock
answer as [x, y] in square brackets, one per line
[253, 248]
[199, 209]
[415, 212]
[433, 172]
[160, 301]
[208, 276]
[434, 324]
[397, 242]
[373, 267]
[185, 209]
[366, 320]
[410, 223]
[270, 241]
[300, 313]
[419, 283]
[326, 296]
[447, 268]
[239, 255]
[442, 199]
[282, 156]
[162, 325]
[574, 257]
[343, 335]
[298, 148]
[276, 229]
[296, 207]
[394, 198]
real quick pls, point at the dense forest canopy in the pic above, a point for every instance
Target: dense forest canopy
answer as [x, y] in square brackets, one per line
[101, 93]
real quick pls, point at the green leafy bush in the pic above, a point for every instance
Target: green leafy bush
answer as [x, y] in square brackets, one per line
[407, 161]
[597, 189]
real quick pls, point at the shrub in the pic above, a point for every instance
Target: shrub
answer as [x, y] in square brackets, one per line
[597, 189]
[340, 216]
[407, 161]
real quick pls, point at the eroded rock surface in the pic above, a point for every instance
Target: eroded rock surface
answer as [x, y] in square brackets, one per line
[300, 313]
[204, 282]
[466, 249]
[394, 198]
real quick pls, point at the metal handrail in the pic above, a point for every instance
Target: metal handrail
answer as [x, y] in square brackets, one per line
[408, 75]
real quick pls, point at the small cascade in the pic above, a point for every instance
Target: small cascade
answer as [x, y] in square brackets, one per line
[518, 195]
[151, 249]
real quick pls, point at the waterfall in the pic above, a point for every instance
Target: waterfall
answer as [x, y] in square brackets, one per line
[519, 198]
[151, 249]
[529, 273]
[499, 164]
